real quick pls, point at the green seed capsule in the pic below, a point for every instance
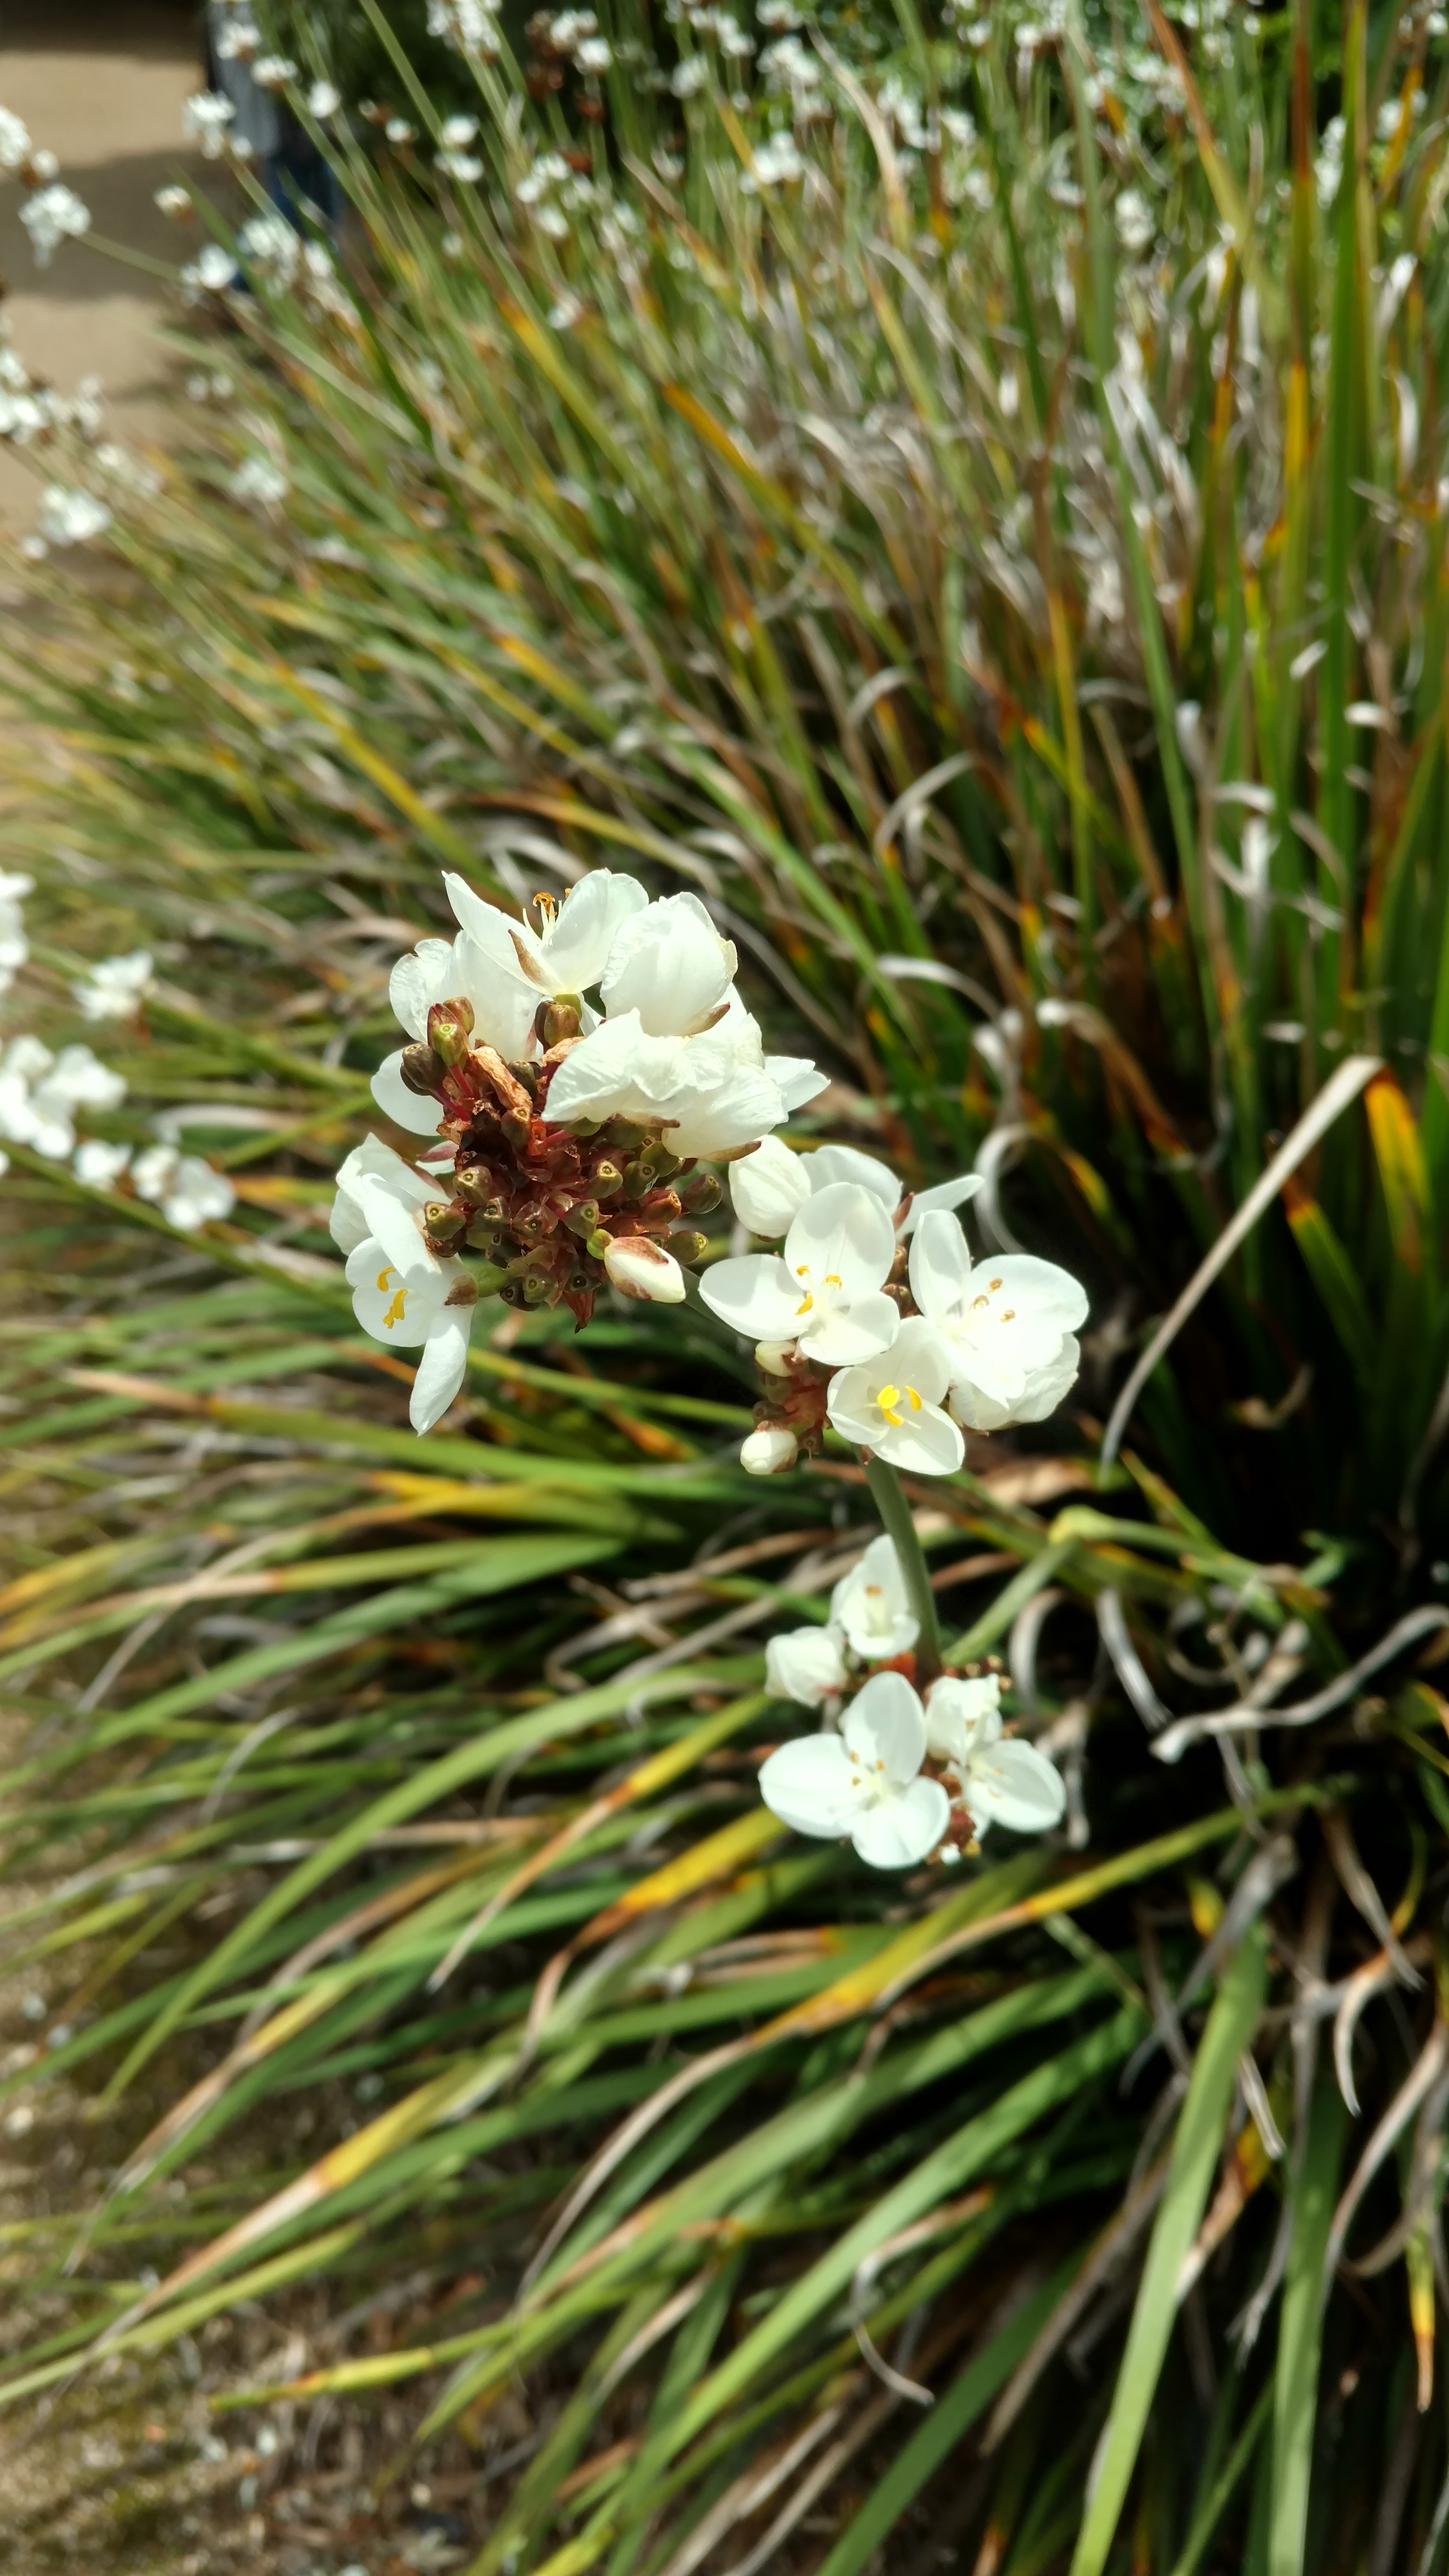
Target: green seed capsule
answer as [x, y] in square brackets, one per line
[421, 1070]
[608, 1180]
[702, 1195]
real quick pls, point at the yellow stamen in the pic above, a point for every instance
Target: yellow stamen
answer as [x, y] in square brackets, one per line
[802, 1269]
[888, 1397]
[833, 1279]
[995, 1283]
[395, 1311]
[383, 1277]
[806, 1302]
[915, 1400]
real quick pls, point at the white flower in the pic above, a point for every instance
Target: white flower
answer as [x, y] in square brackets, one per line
[398, 130]
[39, 1094]
[99, 1164]
[447, 970]
[14, 946]
[806, 1665]
[237, 40]
[1136, 223]
[865, 1781]
[719, 1091]
[350, 1222]
[872, 1606]
[1008, 1325]
[594, 55]
[273, 71]
[424, 1301]
[271, 244]
[69, 517]
[465, 167]
[79, 1080]
[260, 480]
[51, 216]
[775, 163]
[669, 963]
[1003, 1780]
[457, 132]
[206, 114]
[187, 1190]
[323, 100]
[770, 1186]
[892, 1404]
[827, 1293]
[14, 145]
[210, 273]
[769, 1450]
[639, 1268]
[689, 77]
[112, 989]
[573, 949]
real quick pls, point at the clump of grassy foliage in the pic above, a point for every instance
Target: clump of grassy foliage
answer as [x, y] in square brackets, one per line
[1003, 567]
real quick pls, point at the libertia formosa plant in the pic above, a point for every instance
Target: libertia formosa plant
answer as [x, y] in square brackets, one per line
[566, 1145]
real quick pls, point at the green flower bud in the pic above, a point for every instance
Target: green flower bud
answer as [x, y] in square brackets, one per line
[638, 1179]
[421, 1070]
[450, 1025]
[560, 1019]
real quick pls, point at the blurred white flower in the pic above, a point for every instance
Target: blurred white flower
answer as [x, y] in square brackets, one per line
[457, 132]
[465, 167]
[210, 273]
[51, 216]
[775, 163]
[188, 1191]
[273, 71]
[15, 145]
[261, 481]
[112, 989]
[323, 100]
[272, 244]
[398, 130]
[595, 55]
[40, 1092]
[70, 517]
[14, 946]
[207, 114]
[99, 1164]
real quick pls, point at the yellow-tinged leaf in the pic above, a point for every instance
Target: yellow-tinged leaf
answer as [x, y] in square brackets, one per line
[1400, 1160]
[715, 1857]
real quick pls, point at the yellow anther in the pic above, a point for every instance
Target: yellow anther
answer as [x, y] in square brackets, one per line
[806, 1302]
[833, 1279]
[995, 1283]
[396, 1310]
[802, 1269]
[915, 1401]
[383, 1277]
[888, 1395]
[1008, 1315]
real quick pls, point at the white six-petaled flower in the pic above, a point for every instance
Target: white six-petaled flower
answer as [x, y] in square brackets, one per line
[866, 1781]
[870, 1613]
[1008, 1326]
[770, 1186]
[826, 1294]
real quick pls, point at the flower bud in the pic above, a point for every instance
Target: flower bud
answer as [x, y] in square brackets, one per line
[774, 1358]
[421, 1070]
[608, 1180]
[450, 1025]
[559, 1019]
[474, 1184]
[639, 1268]
[638, 1179]
[600, 1243]
[687, 1247]
[769, 1451]
[526, 1076]
[582, 1219]
[702, 1195]
[444, 1223]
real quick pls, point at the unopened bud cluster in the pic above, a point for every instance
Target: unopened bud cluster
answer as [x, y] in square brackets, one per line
[550, 1209]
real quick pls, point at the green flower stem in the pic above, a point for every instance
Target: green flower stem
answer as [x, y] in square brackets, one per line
[896, 1521]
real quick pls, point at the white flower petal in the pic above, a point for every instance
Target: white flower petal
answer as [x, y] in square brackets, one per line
[962, 1716]
[927, 1444]
[810, 1784]
[796, 1079]
[669, 964]
[755, 1294]
[884, 1729]
[842, 1230]
[393, 1224]
[840, 1336]
[901, 1832]
[945, 1196]
[441, 1369]
[1013, 1784]
[406, 1109]
[390, 1305]
[580, 940]
[871, 1605]
[770, 1186]
[843, 1163]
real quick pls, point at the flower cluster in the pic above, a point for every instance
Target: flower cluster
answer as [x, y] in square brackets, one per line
[903, 1776]
[874, 1317]
[14, 946]
[52, 213]
[566, 1133]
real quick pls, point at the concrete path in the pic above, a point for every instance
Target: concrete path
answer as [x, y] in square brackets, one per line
[100, 83]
